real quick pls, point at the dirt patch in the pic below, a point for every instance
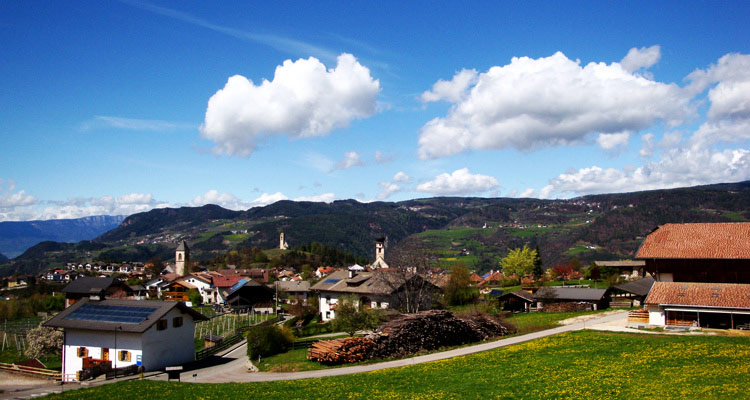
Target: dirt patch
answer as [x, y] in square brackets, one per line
[587, 317]
[10, 379]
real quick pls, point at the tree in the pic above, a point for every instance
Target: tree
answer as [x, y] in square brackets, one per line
[352, 317]
[195, 297]
[518, 262]
[154, 267]
[43, 340]
[459, 290]
[538, 270]
[408, 277]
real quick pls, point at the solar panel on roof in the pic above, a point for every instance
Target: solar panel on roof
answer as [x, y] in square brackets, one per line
[107, 313]
[236, 286]
[331, 281]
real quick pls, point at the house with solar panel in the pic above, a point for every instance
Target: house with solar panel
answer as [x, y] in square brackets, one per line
[122, 333]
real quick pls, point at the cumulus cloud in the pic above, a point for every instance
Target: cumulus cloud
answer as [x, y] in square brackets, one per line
[127, 204]
[612, 141]
[266, 199]
[318, 198]
[304, 99]
[401, 177]
[642, 58]
[226, 200]
[551, 101]
[351, 159]
[460, 182]
[388, 189]
[452, 90]
[10, 200]
[647, 149]
[529, 192]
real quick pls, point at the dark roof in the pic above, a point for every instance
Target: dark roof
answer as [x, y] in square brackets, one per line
[522, 294]
[89, 285]
[693, 241]
[641, 287]
[728, 295]
[382, 281]
[110, 315]
[572, 294]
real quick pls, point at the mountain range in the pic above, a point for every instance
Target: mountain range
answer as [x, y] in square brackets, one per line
[17, 236]
[476, 232]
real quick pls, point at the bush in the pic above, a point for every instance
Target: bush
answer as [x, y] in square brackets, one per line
[267, 340]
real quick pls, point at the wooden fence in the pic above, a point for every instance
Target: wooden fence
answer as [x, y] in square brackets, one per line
[230, 340]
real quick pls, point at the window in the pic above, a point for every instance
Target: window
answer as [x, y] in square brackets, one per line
[82, 352]
[161, 324]
[123, 355]
[176, 322]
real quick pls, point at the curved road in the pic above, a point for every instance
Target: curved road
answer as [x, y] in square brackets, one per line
[234, 369]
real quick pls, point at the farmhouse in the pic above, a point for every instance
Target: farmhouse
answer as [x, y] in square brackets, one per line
[710, 252]
[122, 333]
[96, 289]
[706, 305]
[383, 288]
[556, 298]
[294, 290]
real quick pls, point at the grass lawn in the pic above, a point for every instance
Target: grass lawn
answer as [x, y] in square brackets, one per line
[584, 364]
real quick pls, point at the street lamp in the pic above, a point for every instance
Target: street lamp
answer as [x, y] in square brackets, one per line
[119, 328]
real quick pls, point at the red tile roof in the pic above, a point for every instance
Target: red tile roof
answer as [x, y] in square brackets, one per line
[225, 281]
[714, 241]
[728, 295]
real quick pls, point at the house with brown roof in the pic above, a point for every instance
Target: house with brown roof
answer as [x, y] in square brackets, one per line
[705, 305]
[376, 289]
[706, 252]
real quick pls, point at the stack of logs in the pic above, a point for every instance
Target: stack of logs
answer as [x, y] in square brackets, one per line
[340, 351]
[410, 334]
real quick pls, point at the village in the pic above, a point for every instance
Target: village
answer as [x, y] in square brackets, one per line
[687, 278]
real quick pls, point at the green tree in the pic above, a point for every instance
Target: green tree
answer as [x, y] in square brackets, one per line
[459, 290]
[518, 262]
[195, 297]
[538, 270]
[352, 317]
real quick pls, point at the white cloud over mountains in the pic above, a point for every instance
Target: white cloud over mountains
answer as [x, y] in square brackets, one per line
[304, 99]
[550, 101]
[460, 182]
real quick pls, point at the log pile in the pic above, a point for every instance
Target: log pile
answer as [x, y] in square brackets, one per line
[430, 330]
[408, 334]
[339, 351]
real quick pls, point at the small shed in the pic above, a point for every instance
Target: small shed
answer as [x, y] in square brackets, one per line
[561, 298]
[631, 294]
[518, 301]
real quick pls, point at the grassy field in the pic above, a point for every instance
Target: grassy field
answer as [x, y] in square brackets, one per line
[584, 364]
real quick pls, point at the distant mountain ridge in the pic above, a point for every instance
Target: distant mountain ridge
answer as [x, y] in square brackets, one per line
[473, 231]
[17, 236]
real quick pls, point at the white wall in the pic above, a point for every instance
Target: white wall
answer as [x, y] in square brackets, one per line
[325, 305]
[94, 342]
[172, 346]
[656, 316]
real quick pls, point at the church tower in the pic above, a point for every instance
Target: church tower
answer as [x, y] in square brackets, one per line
[380, 244]
[182, 259]
[283, 245]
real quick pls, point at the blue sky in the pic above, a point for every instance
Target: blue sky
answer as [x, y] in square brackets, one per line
[119, 107]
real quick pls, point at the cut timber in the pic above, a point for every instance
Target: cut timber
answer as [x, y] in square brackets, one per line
[339, 351]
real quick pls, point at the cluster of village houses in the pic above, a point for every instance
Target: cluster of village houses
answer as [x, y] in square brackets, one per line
[683, 275]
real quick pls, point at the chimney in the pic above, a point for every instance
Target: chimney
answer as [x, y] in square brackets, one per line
[351, 274]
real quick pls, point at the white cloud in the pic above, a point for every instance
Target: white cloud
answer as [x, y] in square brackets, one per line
[546, 192]
[303, 100]
[401, 177]
[266, 199]
[671, 140]
[351, 159]
[647, 149]
[676, 168]
[381, 158]
[460, 182]
[127, 204]
[388, 189]
[132, 124]
[551, 101]
[319, 198]
[612, 141]
[452, 90]
[528, 193]
[226, 200]
[644, 58]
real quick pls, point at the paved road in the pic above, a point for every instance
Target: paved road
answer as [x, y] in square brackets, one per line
[235, 368]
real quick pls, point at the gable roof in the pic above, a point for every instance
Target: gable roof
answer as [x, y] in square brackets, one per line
[381, 281]
[225, 281]
[709, 240]
[728, 295]
[521, 294]
[183, 246]
[293, 286]
[641, 287]
[88, 285]
[572, 294]
[111, 315]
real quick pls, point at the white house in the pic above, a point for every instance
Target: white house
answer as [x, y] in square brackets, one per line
[151, 334]
[204, 284]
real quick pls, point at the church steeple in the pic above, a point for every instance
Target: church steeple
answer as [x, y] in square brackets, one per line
[182, 259]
